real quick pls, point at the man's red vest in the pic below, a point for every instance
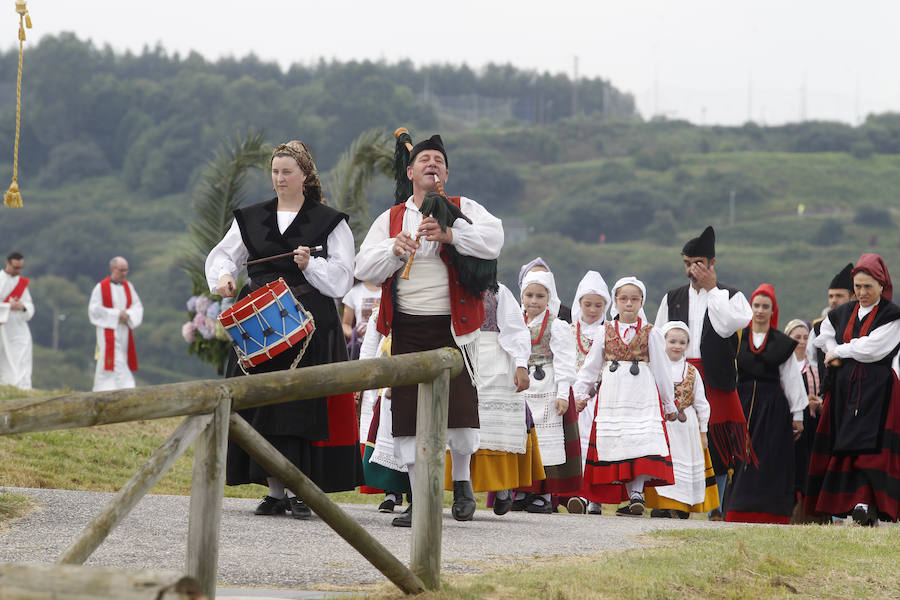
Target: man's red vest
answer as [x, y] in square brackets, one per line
[109, 335]
[466, 310]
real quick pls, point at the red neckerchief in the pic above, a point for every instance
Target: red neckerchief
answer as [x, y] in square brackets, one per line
[867, 323]
[578, 337]
[109, 335]
[761, 346]
[637, 328]
[543, 327]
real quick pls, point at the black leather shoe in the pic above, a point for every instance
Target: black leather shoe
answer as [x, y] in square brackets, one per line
[463, 501]
[520, 504]
[298, 509]
[387, 506]
[271, 506]
[866, 517]
[501, 507]
[660, 513]
[405, 519]
[539, 505]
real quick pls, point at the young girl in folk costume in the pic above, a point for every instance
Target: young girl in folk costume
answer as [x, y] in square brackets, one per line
[695, 487]
[773, 398]
[588, 316]
[799, 331]
[381, 470]
[507, 455]
[631, 445]
[551, 368]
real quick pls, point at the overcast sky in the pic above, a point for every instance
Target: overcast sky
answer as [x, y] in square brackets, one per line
[707, 61]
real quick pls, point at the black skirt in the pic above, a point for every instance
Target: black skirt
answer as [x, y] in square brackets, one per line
[291, 426]
[769, 487]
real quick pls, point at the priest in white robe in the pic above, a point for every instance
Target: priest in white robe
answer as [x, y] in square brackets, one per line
[16, 309]
[116, 310]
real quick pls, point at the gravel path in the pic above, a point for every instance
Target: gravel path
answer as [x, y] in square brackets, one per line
[280, 552]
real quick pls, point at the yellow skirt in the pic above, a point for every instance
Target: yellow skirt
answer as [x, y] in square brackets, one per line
[494, 470]
[710, 498]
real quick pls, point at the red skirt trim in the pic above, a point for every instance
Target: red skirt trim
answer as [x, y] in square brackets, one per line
[343, 428]
[739, 516]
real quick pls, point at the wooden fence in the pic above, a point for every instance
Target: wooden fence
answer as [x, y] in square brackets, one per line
[210, 409]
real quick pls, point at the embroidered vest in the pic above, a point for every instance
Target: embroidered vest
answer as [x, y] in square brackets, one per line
[490, 313]
[466, 310]
[582, 347]
[638, 349]
[540, 351]
[684, 391]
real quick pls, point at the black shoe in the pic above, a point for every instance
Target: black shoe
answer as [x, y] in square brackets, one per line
[539, 505]
[660, 513]
[716, 515]
[520, 504]
[681, 514]
[298, 509]
[576, 506]
[463, 501]
[866, 517]
[271, 506]
[636, 506]
[501, 507]
[387, 506]
[405, 519]
[624, 511]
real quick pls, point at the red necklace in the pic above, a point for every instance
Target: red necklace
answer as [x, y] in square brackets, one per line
[867, 323]
[637, 327]
[755, 350]
[543, 327]
[578, 338]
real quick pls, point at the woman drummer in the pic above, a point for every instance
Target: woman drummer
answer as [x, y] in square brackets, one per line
[318, 436]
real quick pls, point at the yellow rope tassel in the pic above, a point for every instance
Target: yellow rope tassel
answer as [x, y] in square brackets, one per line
[13, 197]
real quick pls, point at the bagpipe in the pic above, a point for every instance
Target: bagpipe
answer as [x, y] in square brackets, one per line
[476, 275]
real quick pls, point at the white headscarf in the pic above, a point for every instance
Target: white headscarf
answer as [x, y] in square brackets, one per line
[530, 265]
[613, 311]
[591, 283]
[669, 326]
[547, 280]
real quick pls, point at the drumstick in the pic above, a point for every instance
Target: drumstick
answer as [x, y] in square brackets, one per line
[285, 255]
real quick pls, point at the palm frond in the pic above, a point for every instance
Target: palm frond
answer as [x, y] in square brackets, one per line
[220, 193]
[345, 184]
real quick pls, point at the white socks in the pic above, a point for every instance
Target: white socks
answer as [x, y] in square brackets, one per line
[461, 466]
[635, 487]
[276, 488]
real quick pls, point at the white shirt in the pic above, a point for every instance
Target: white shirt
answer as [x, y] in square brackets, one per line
[376, 261]
[331, 276]
[868, 348]
[791, 381]
[726, 315]
[514, 336]
[361, 300]
[596, 359]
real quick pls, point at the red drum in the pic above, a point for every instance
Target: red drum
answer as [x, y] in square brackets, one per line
[266, 323]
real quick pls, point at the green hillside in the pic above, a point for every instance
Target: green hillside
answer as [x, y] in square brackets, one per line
[114, 148]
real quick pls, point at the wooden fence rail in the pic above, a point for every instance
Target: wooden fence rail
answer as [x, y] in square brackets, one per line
[208, 406]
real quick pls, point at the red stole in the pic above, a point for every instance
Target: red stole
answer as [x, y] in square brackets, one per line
[16, 293]
[109, 360]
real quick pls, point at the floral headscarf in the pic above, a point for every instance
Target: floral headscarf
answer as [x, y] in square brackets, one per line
[300, 153]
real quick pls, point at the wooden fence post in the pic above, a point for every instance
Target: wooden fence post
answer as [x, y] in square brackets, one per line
[428, 492]
[131, 493]
[207, 488]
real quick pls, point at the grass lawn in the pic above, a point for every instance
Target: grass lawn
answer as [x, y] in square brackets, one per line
[746, 563]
